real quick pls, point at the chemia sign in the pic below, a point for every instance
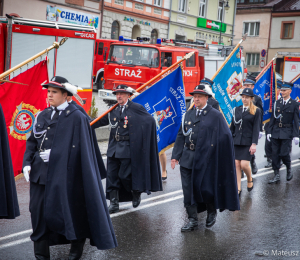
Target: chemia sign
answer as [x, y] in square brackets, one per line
[209, 24]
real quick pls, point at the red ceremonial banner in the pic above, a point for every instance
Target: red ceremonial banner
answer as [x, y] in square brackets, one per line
[20, 104]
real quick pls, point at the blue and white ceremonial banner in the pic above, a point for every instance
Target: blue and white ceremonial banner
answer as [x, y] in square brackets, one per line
[296, 89]
[228, 85]
[265, 87]
[165, 101]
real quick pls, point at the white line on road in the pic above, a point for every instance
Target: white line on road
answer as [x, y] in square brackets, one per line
[264, 171]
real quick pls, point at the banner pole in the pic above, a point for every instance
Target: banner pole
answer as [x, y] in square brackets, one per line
[294, 79]
[265, 68]
[187, 56]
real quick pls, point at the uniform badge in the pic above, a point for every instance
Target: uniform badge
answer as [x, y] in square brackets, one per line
[125, 121]
[204, 112]
[68, 111]
[185, 122]
[189, 122]
[22, 121]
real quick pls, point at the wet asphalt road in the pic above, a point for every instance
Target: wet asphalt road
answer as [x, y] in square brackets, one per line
[266, 227]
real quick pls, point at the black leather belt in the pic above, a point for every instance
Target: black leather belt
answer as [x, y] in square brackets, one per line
[121, 137]
[285, 125]
[190, 147]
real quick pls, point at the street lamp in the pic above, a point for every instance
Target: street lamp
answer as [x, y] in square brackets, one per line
[226, 8]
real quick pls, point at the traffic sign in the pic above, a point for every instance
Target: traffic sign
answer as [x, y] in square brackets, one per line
[262, 63]
[263, 53]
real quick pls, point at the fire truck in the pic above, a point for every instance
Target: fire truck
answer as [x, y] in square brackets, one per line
[291, 66]
[134, 62]
[100, 57]
[22, 38]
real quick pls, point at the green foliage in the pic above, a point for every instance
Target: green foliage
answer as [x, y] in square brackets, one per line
[93, 112]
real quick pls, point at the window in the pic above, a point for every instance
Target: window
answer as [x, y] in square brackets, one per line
[100, 49]
[134, 55]
[252, 59]
[240, 1]
[96, 48]
[202, 8]
[252, 28]
[182, 4]
[190, 62]
[157, 2]
[139, 7]
[166, 59]
[119, 2]
[154, 36]
[157, 11]
[287, 30]
[220, 12]
[115, 30]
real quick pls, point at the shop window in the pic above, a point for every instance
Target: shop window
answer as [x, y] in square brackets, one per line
[154, 36]
[190, 62]
[136, 32]
[115, 30]
[287, 30]
[251, 28]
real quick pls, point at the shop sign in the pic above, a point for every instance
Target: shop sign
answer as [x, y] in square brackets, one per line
[210, 24]
[129, 19]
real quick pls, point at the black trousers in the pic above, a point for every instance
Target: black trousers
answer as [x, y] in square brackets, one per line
[268, 148]
[118, 174]
[36, 208]
[281, 150]
[186, 181]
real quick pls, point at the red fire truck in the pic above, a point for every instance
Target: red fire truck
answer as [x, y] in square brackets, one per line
[100, 57]
[134, 63]
[22, 38]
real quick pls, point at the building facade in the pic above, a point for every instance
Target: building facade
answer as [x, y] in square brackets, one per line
[135, 18]
[84, 12]
[203, 21]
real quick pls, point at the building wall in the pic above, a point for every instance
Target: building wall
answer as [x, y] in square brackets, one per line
[253, 44]
[185, 24]
[35, 9]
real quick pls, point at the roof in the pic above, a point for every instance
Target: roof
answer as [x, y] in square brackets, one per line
[272, 3]
[292, 5]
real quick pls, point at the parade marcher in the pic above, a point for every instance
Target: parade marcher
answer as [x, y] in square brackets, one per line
[208, 87]
[245, 128]
[268, 145]
[9, 207]
[67, 202]
[204, 149]
[250, 83]
[283, 128]
[132, 154]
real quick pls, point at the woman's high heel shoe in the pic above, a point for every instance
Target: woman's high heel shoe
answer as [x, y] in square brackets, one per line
[250, 189]
[239, 192]
[164, 178]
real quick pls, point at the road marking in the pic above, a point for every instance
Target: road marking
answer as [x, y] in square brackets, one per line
[20, 241]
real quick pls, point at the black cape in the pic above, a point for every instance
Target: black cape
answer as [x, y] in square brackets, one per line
[75, 204]
[146, 174]
[9, 207]
[101, 165]
[214, 175]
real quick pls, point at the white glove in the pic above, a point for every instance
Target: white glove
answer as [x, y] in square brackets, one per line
[269, 137]
[45, 155]
[296, 140]
[260, 135]
[26, 171]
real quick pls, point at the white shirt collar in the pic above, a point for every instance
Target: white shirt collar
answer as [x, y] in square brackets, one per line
[62, 106]
[285, 101]
[202, 107]
[245, 107]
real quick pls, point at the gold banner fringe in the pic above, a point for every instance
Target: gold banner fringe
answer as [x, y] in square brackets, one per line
[166, 148]
[19, 176]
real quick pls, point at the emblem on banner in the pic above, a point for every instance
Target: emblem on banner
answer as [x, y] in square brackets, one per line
[235, 86]
[22, 121]
[267, 96]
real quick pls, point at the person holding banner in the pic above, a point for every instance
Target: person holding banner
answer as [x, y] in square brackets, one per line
[67, 201]
[204, 148]
[283, 128]
[245, 127]
[131, 150]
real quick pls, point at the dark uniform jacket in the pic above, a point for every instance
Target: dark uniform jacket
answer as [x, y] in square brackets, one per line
[289, 120]
[213, 102]
[247, 131]
[258, 102]
[182, 151]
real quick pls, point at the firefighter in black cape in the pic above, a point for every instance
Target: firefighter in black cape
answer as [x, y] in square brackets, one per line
[132, 154]
[204, 149]
[67, 202]
[9, 207]
[283, 128]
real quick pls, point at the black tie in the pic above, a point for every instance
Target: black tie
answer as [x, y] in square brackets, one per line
[121, 108]
[284, 103]
[56, 115]
[198, 112]
[245, 109]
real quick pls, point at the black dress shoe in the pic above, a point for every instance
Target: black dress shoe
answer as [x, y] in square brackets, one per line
[211, 215]
[250, 189]
[193, 219]
[114, 202]
[164, 178]
[269, 163]
[76, 249]
[289, 174]
[41, 250]
[276, 178]
[136, 198]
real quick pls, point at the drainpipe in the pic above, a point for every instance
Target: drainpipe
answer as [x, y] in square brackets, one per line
[170, 20]
[235, 3]
[102, 9]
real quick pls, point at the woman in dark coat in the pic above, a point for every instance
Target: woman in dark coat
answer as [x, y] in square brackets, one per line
[245, 127]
